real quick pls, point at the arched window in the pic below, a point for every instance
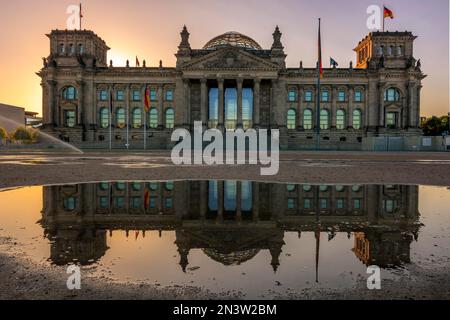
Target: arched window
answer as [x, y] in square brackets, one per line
[69, 93]
[291, 119]
[170, 118]
[120, 118]
[137, 118]
[62, 48]
[170, 185]
[392, 95]
[72, 49]
[379, 51]
[324, 120]
[104, 118]
[291, 187]
[399, 50]
[357, 119]
[390, 50]
[153, 118]
[80, 48]
[308, 119]
[340, 120]
[153, 186]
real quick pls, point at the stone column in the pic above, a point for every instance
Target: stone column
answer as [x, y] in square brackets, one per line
[255, 202]
[239, 102]
[239, 201]
[203, 199]
[301, 94]
[220, 202]
[50, 108]
[257, 103]
[334, 100]
[381, 117]
[204, 102]
[160, 106]
[417, 106]
[412, 104]
[351, 95]
[81, 112]
[221, 104]
[366, 112]
[187, 108]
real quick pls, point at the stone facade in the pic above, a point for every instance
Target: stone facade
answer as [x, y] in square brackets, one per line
[379, 97]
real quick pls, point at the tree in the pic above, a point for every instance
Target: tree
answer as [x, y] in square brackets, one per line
[3, 133]
[22, 134]
[435, 126]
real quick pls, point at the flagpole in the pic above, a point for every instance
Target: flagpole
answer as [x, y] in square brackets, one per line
[318, 91]
[110, 119]
[81, 16]
[145, 117]
[384, 17]
[128, 121]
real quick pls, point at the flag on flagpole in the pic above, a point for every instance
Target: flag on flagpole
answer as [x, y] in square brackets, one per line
[388, 13]
[333, 63]
[320, 54]
[147, 199]
[138, 64]
[147, 99]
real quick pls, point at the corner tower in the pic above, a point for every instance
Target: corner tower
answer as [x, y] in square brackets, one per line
[71, 48]
[386, 49]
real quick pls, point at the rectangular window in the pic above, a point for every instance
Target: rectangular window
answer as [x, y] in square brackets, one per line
[135, 202]
[342, 96]
[292, 96]
[307, 204]
[391, 120]
[136, 95]
[120, 95]
[103, 95]
[120, 202]
[323, 204]
[325, 96]
[104, 202]
[340, 204]
[358, 96]
[70, 119]
[169, 95]
[291, 204]
[152, 204]
[357, 204]
[169, 203]
[153, 95]
[308, 96]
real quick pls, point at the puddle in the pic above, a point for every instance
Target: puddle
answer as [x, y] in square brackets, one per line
[258, 239]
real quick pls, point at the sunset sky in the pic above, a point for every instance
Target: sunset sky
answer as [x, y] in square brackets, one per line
[150, 29]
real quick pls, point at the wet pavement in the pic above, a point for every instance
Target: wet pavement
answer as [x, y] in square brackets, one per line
[239, 238]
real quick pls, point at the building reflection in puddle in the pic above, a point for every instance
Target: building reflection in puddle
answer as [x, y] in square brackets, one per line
[232, 221]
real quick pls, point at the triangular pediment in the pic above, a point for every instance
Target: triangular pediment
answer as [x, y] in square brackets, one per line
[230, 58]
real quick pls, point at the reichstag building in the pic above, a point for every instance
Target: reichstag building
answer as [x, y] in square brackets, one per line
[232, 82]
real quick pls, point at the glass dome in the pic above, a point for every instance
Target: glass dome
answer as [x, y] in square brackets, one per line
[234, 39]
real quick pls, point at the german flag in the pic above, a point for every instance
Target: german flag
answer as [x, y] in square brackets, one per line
[388, 13]
[147, 99]
[147, 199]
